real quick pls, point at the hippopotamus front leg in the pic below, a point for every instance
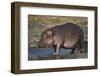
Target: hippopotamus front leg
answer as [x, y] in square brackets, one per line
[57, 49]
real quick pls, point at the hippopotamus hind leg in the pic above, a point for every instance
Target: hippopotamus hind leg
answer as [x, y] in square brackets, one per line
[73, 50]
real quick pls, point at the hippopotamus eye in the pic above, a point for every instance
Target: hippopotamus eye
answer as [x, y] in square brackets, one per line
[44, 35]
[69, 34]
[49, 32]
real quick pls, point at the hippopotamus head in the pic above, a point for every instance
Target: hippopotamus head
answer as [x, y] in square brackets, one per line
[46, 39]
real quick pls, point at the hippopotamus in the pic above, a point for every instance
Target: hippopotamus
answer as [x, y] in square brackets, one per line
[68, 35]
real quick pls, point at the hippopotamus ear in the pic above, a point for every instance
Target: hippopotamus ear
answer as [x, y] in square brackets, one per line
[50, 33]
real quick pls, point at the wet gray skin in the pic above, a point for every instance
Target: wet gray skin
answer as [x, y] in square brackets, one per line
[68, 35]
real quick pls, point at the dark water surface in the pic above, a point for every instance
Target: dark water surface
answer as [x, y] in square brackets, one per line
[47, 53]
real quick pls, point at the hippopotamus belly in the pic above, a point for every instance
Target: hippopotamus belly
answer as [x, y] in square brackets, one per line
[71, 40]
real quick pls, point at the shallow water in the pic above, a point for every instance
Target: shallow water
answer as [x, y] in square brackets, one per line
[47, 53]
